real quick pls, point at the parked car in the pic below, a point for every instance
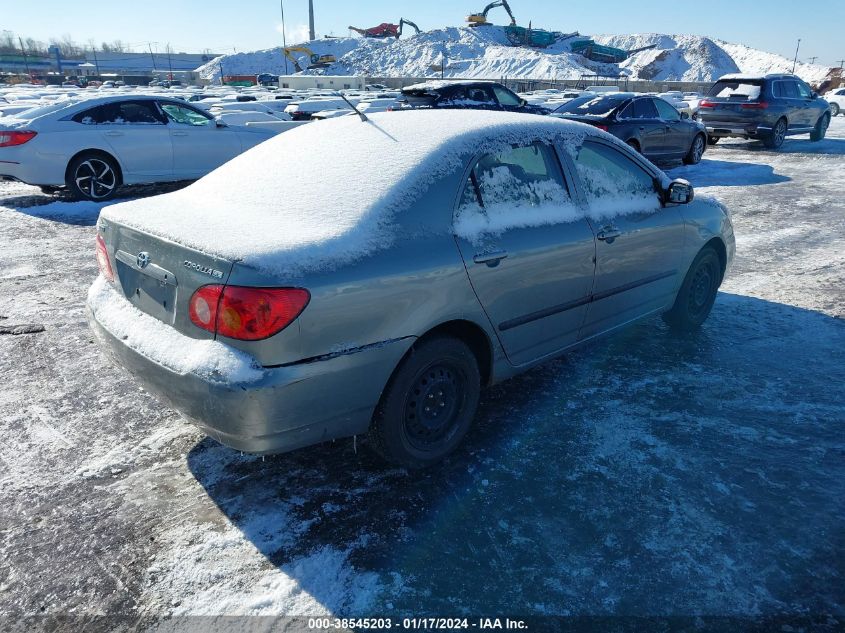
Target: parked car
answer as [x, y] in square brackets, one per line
[476, 95]
[442, 251]
[763, 107]
[836, 99]
[650, 125]
[304, 110]
[94, 146]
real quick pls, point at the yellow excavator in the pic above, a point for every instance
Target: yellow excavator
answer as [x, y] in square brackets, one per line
[480, 19]
[317, 61]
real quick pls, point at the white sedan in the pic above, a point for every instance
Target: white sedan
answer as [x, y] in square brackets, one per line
[836, 99]
[92, 146]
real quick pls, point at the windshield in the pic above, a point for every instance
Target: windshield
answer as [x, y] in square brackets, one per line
[591, 106]
[736, 89]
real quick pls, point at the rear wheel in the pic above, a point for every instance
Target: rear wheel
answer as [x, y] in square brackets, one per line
[834, 109]
[429, 404]
[92, 177]
[821, 128]
[696, 150]
[697, 294]
[778, 135]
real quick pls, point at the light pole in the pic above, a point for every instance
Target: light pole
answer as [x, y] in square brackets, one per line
[794, 61]
[284, 37]
[311, 31]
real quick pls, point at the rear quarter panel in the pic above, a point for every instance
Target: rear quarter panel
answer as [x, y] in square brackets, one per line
[414, 284]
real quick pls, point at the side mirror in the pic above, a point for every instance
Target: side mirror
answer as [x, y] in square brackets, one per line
[220, 123]
[685, 115]
[679, 191]
[522, 103]
[815, 95]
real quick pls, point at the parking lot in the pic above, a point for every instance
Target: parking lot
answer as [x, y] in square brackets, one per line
[646, 475]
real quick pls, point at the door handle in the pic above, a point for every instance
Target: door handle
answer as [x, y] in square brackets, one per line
[608, 234]
[114, 133]
[180, 134]
[491, 259]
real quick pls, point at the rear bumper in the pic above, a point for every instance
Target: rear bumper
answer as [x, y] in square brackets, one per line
[721, 129]
[288, 408]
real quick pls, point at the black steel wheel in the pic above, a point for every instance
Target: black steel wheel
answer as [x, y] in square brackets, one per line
[93, 177]
[698, 292]
[428, 405]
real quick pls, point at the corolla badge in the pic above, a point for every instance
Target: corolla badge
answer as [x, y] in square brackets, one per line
[143, 259]
[205, 270]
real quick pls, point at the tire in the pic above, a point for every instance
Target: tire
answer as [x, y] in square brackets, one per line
[820, 129]
[634, 145]
[93, 176]
[712, 140]
[778, 135]
[835, 109]
[696, 150]
[439, 377]
[697, 294]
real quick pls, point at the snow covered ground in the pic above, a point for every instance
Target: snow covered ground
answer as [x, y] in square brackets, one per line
[643, 475]
[486, 53]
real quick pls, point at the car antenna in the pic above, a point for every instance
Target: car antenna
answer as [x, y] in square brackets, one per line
[354, 107]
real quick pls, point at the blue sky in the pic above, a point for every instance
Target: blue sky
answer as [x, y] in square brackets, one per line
[225, 25]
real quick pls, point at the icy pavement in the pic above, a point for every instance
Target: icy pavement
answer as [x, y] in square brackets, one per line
[646, 474]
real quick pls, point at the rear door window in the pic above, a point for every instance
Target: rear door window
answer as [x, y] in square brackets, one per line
[518, 187]
[643, 109]
[121, 113]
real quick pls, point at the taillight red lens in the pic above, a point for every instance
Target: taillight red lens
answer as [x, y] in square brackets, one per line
[246, 314]
[760, 105]
[602, 127]
[9, 138]
[103, 259]
[706, 104]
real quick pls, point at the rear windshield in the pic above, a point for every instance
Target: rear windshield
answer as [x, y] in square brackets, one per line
[33, 113]
[744, 89]
[592, 106]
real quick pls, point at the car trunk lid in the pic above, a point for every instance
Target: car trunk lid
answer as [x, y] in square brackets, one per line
[159, 276]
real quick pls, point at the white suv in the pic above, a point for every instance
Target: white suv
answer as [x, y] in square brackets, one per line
[836, 99]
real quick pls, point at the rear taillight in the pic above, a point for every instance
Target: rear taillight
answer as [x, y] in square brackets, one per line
[103, 259]
[601, 127]
[10, 139]
[706, 104]
[246, 314]
[759, 105]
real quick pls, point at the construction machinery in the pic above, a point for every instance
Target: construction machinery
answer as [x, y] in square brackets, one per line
[317, 61]
[480, 19]
[605, 54]
[386, 29]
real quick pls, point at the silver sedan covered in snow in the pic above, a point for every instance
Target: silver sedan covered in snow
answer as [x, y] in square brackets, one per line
[375, 275]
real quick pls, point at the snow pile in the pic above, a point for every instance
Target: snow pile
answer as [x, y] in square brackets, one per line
[326, 193]
[162, 344]
[486, 53]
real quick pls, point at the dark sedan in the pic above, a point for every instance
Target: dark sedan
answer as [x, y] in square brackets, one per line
[475, 95]
[649, 124]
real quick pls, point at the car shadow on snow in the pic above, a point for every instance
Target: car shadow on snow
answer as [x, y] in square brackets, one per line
[725, 173]
[60, 207]
[831, 146]
[646, 474]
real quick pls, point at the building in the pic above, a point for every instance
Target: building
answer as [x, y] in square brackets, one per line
[322, 82]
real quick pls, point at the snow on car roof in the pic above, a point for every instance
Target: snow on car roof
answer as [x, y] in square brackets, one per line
[327, 193]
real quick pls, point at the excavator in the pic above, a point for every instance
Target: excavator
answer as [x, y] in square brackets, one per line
[386, 29]
[480, 19]
[317, 61]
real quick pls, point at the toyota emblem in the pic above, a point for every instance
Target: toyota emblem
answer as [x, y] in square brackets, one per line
[143, 259]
